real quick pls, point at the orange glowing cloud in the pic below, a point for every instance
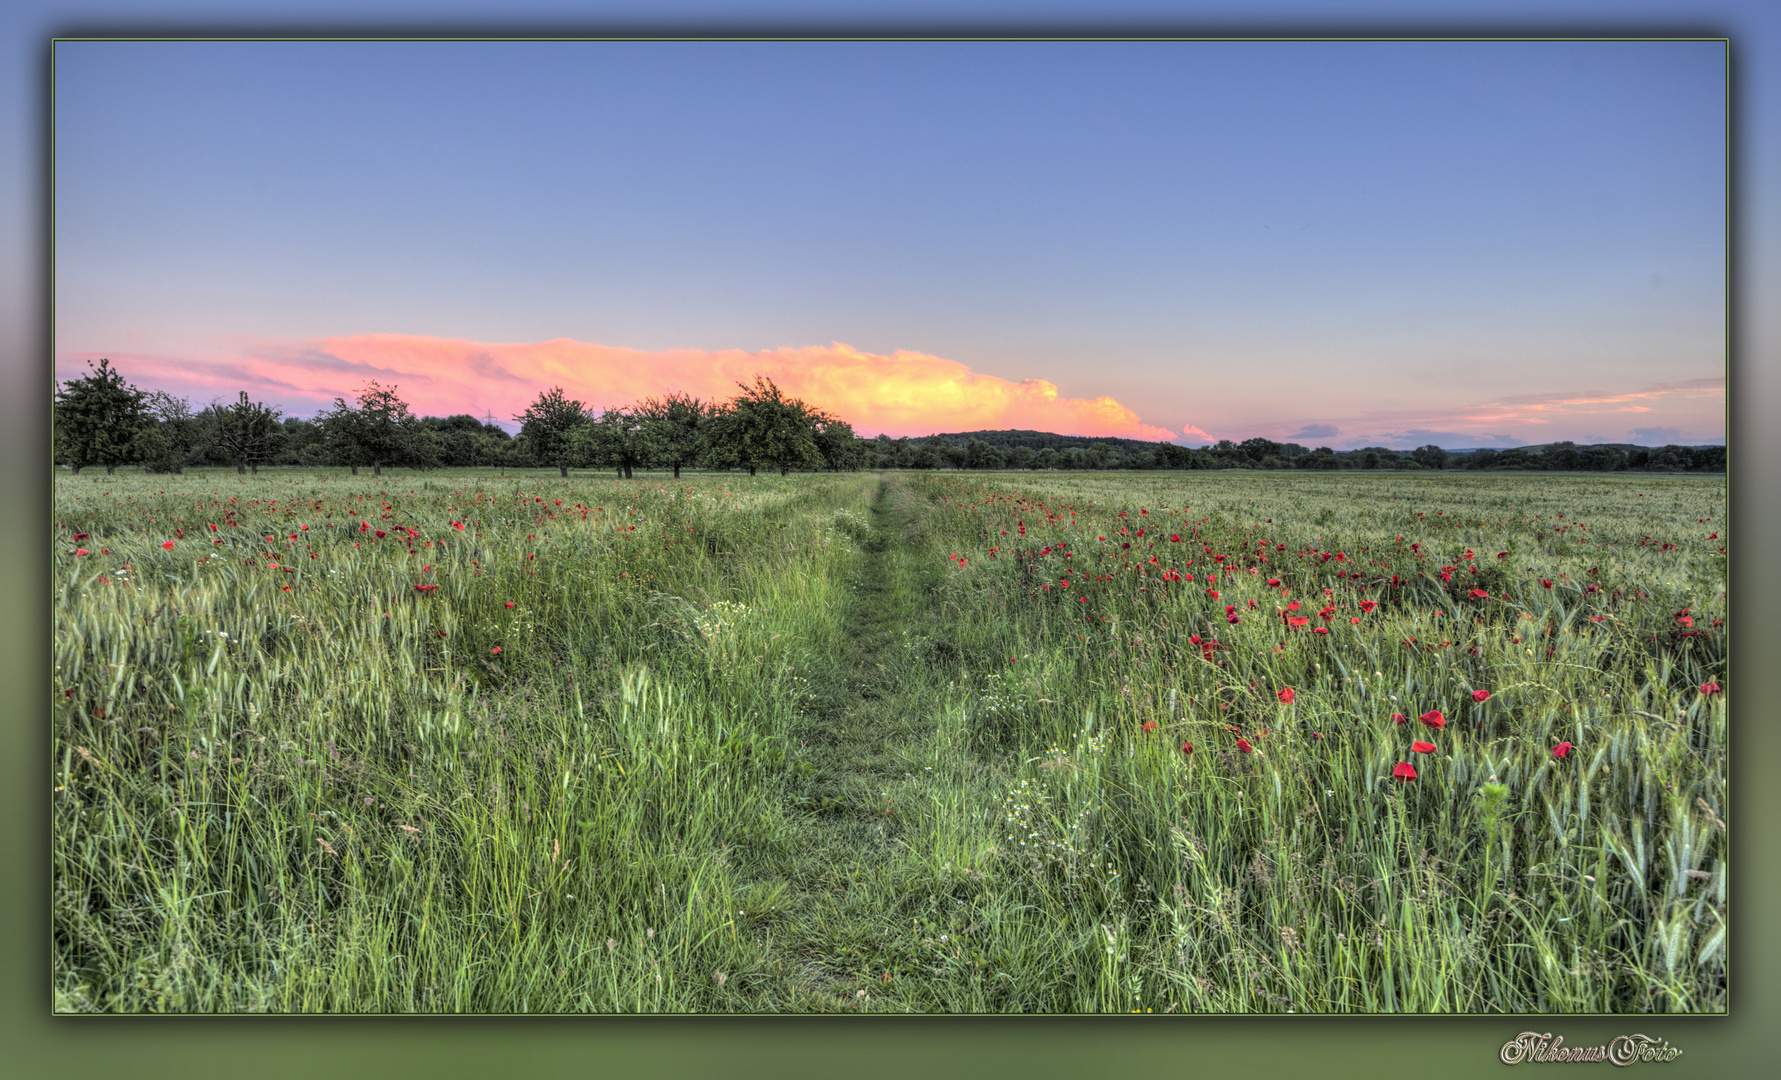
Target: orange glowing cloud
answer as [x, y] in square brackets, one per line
[905, 393]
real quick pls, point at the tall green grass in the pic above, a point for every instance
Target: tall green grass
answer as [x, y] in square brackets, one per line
[1301, 876]
[757, 745]
[341, 797]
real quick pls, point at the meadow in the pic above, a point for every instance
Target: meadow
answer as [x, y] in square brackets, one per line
[1004, 742]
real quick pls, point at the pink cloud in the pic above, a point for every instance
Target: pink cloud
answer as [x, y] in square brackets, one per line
[904, 393]
[1556, 407]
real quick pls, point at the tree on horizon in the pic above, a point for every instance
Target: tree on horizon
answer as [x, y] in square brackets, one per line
[97, 420]
[546, 426]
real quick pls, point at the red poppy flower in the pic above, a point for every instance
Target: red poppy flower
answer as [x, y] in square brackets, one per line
[78, 552]
[425, 588]
[1368, 605]
[496, 651]
[1561, 749]
[1273, 581]
[510, 603]
[1320, 630]
[1423, 747]
[1285, 696]
[1398, 718]
[1546, 583]
[78, 537]
[1243, 745]
[168, 545]
[1479, 594]
[1708, 688]
[1403, 770]
[380, 534]
[1481, 695]
[1297, 621]
[1434, 719]
[1187, 747]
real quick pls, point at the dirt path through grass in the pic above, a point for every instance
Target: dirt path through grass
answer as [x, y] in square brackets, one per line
[849, 886]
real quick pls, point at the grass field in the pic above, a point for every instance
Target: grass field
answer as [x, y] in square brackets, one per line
[1034, 742]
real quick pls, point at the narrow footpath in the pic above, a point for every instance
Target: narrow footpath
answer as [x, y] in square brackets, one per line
[849, 887]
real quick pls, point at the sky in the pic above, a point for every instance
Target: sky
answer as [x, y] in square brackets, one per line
[1331, 243]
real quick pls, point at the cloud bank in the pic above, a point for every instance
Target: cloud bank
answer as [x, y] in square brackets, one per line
[904, 393]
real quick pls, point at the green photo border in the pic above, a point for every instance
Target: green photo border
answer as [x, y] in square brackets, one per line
[34, 1043]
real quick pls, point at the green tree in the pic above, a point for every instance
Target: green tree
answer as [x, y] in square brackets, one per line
[616, 440]
[836, 443]
[1671, 458]
[1171, 456]
[1023, 457]
[466, 441]
[1430, 456]
[302, 443]
[546, 426]
[673, 429]
[1560, 456]
[170, 434]
[341, 440]
[97, 419]
[1258, 449]
[246, 433]
[762, 428]
[1047, 458]
[393, 435]
[1601, 458]
[1321, 458]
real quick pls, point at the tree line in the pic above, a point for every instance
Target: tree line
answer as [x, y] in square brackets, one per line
[101, 420]
[1043, 450]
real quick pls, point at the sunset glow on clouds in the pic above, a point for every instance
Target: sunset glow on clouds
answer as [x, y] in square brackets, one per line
[1697, 405]
[905, 393]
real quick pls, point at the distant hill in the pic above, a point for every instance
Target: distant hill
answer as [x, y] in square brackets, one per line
[1038, 440]
[1261, 453]
[1540, 448]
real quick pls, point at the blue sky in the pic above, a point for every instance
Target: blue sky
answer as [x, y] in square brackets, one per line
[1350, 243]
